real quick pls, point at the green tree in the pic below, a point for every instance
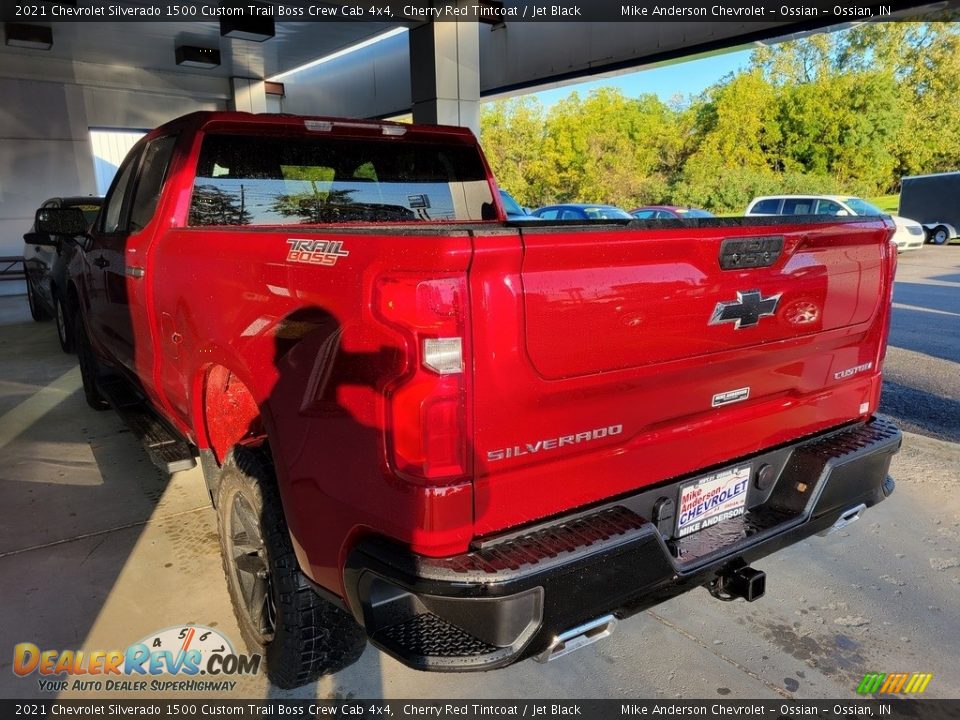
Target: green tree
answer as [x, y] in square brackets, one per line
[923, 60]
[610, 148]
[842, 112]
[736, 123]
[513, 135]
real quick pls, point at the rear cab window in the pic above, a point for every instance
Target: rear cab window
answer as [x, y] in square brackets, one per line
[270, 180]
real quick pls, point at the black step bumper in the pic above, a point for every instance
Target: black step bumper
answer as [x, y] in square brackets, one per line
[512, 595]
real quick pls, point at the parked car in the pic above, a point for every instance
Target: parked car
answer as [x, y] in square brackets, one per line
[470, 441]
[669, 212]
[515, 212]
[581, 211]
[45, 260]
[909, 234]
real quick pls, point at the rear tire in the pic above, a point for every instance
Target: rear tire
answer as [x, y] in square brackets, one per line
[940, 235]
[300, 635]
[36, 310]
[64, 324]
[89, 368]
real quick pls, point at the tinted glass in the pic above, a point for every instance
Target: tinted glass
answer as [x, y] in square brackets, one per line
[644, 214]
[251, 180]
[548, 214]
[798, 206]
[112, 216]
[862, 207]
[510, 205]
[828, 207]
[156, 158]
[606, 213]
[766, 207]
[694, 213]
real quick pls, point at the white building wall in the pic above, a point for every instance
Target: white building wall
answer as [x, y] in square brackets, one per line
[109, 148]
[49, 107]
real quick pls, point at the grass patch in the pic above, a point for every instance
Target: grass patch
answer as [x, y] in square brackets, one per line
[887, 203]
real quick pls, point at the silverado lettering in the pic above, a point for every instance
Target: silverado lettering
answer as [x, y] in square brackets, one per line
[554, 443]
[343, 413]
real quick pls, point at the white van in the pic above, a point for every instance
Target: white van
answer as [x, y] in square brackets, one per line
[910, 234]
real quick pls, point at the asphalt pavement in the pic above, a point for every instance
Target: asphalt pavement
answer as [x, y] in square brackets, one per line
[98, 550]
[921, 386]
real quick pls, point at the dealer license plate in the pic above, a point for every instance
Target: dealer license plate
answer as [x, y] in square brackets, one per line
[712, 499]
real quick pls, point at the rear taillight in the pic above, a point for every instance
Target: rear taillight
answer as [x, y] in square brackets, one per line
[886, 309]
[887, 293]
[427, 406]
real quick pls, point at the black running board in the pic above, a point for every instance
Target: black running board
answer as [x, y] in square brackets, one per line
[167, 449]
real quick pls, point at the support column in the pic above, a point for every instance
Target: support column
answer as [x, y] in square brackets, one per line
[249, 95]
[445, 73]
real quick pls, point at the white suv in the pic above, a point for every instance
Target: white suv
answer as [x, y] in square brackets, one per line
[909, 234]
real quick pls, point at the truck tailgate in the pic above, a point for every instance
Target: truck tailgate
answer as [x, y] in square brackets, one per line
[609, 359]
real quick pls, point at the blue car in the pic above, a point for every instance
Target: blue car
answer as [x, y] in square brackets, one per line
[513, 209]
[581, 211]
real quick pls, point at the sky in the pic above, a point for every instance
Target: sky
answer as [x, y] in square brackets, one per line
[684, 78]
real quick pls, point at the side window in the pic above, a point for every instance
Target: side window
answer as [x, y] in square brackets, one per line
[828, 207]
[664, 215]
[797, 206]
[770, 206]
[156, 159]
[571, 215]
[549, 214]
[644, 214]
[114, 204]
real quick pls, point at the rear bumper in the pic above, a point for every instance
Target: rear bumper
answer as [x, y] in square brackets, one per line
[512, 595]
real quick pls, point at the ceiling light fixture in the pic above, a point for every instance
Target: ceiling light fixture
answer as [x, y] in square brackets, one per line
[197, 57]
[35, 37]
[256, 23]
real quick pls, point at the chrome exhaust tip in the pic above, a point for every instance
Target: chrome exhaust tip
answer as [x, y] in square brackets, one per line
[578, 637]
[847, 517]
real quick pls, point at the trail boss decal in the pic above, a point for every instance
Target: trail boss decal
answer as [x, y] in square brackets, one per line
[553, 443]
[316, 252]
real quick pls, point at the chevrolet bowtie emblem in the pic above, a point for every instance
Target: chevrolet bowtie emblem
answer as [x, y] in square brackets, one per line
[746, 310]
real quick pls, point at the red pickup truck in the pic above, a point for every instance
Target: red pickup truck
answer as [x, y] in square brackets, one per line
[470, 441]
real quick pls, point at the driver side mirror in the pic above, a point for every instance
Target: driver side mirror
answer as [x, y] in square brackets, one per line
[67, 221]
[39, 238]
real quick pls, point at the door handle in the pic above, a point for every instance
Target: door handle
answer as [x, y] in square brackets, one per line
[101, 262]
[135, 272]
